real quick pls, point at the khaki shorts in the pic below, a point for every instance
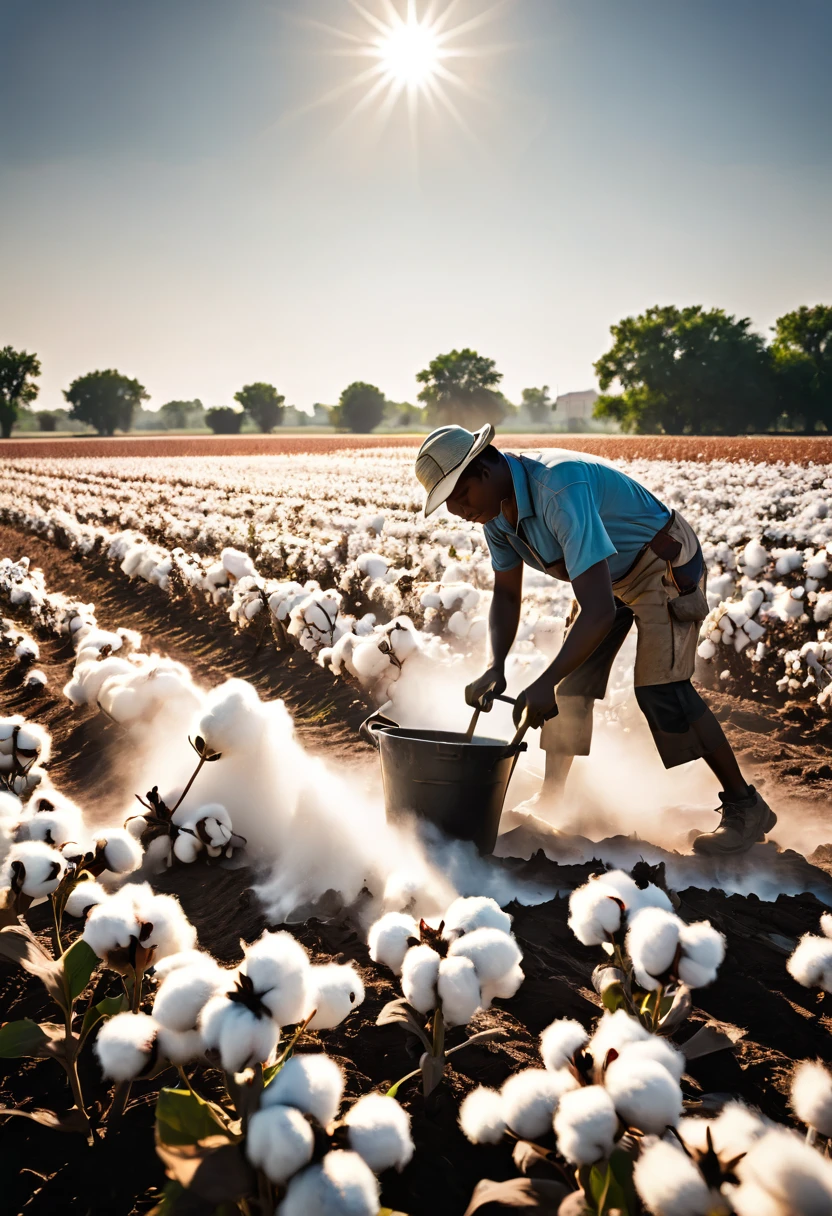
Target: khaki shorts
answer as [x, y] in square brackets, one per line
[665, 662]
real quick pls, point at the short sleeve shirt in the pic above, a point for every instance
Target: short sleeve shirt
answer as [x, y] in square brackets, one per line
[577, 510]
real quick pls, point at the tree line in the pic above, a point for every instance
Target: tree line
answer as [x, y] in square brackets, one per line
[677, 371]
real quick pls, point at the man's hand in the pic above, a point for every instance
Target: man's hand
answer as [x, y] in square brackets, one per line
[481, 692]
[538, 700]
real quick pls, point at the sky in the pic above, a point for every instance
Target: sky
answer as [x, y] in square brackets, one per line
[201, 193]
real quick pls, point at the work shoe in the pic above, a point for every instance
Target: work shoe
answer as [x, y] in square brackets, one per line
[744, 823]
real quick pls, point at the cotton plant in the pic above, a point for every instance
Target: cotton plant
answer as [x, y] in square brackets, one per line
[811, 961]
[654, 957]
[448, 974]
[25, 747]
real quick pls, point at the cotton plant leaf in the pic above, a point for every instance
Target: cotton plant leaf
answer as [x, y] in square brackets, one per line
[678, 1012]
[79, 962]
[19, 945]
[433, 1070]
[212, 1170]
[72, 1121]
[401, 1012]
[707, 1040]
[23, 1038]
[108, 1008]
[517, 1195]
[611, 1185]
[184, 1118]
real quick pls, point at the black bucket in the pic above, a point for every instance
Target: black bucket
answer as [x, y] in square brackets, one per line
[440, 776]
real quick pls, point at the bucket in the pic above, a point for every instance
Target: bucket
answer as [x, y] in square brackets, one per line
[441, 776]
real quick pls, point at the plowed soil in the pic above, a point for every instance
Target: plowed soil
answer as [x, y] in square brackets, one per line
[792, 449]
[772, 1020]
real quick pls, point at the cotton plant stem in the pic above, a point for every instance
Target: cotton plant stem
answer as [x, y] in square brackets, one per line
[119, 1102]
[56, 928]
[71, 1066]
[657, 1012]
[193, 778]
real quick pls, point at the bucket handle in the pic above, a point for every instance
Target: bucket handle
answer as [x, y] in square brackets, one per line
[370, 728]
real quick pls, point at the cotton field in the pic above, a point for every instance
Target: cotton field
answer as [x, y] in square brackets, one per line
[230, 984]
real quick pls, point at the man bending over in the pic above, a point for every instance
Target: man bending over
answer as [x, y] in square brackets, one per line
[628, 557]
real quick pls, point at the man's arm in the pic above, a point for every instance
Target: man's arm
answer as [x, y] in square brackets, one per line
[593, 591]
[503, 620]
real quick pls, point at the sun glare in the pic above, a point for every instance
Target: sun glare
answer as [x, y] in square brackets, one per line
[410, 53]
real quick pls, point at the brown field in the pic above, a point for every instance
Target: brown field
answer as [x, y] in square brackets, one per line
[792, 449]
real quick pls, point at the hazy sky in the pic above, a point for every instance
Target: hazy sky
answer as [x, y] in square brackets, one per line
[176, 205]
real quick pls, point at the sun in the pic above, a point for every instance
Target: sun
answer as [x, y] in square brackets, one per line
[410, 53]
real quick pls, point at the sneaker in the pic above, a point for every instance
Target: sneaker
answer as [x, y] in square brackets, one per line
[743, 824]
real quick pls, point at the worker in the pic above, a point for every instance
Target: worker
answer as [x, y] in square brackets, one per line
[628, 557]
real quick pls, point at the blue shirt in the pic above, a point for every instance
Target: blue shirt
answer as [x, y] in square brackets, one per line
[575, 509]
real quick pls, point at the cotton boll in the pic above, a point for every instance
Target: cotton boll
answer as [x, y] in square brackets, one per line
[530, 1098]
[420, 971]
[83, 897]
[481, 1116]
[314, 1084]
[341, 1185]
[559, 1042]
[34, 866]
[122, 853]
[613, 1033]
[505, 987]
[166, 927]
[333, 991]
[826, 924]
[459, 991]
[670, 1184]
[279, 1141]
[474, 912]
[232, 720]
[782, 1176]
[278, 967]
[180, 1046]
[811, 1096]
[58, 827]
[241, 1037]
[125, 1045]
[585, 1125]
[379, 1131]
[645, 1095]
[186, 848]
[811, 962]
[651, 943]
[492, 952]
[182, 994]
[659, 1050]
[388, 939]
[110, 926]
[594, 912]
[733, 1132]
[703, 949]
[34, 740]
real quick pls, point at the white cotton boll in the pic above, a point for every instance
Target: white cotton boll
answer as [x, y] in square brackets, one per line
[613, 1032]
[241, 1037]
[58, 827]
[388, 939]
[83, 896]
[186, 848]
[379, 1131]
[183, 993]
[652, 939]
[169, 928]
[110, 926]
[459, 991]
[232, 719]
[703, 949]
[458, 624]
[11, 808]
[559, 1042]
[341, 1185]
[646, 1096]
[632, 895]
[420, 971]
[279, 1141]
[313, 1083]
[122, 852]
[594, 912]
[180, 1046]
[823, 607]
[238, 564]
[811, 1096]
[826, 924]
[372, 565]
[186, 958]
[42, 868]
[481, 1116]
[732, 1132]
[28, 651]
[782, 1176]
[811, 962]
[492, 952]
[504, 988]
[754, 558]
[334, 990]
[585, 1125]
[368, 660]
[125, 1044]
[278, 967]
[670, 1184]
[530, 1098]
[34, 740]
[659, 1050]
[789, 560]
[474, 912]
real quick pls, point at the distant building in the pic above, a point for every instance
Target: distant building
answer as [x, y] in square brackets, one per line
[577, 406]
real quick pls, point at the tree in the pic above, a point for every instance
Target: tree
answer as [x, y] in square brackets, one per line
[802, 352]
[538, 404]
[687, 371]
[360, 408]
[48, 420]
[18, 372]
[223, 420]
[263, 404]
[106, 400]
[459, 387]
[174, 414]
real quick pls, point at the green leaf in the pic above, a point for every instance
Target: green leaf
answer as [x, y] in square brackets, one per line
[79, 962]
[23, 1038]
[214, 1171]
[611, 1186]
[182, 1117]
[613, 997]
[108, 1008]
